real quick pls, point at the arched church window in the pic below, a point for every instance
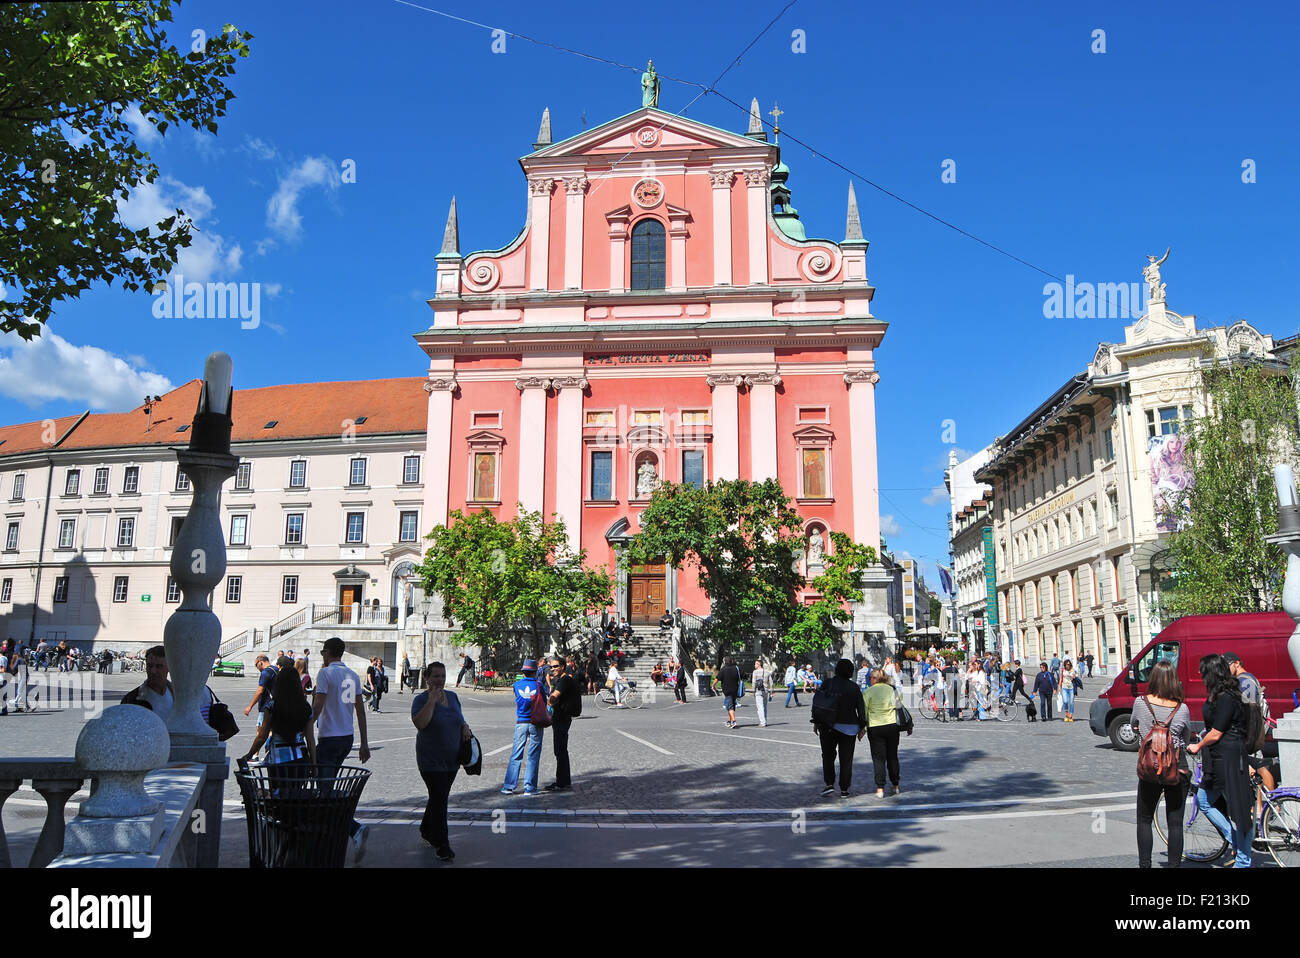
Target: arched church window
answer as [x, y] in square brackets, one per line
[648, 255]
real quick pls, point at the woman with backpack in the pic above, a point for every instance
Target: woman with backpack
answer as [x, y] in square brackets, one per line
[1225, 772]
[837, 732]
[1162, 709]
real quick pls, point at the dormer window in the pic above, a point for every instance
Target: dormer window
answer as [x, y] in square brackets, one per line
[649, 257]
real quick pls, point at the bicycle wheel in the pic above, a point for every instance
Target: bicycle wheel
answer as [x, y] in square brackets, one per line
[926, 706]
[603, 699]
[1003, 711]
[632, 699]
[1202, 842]
[1281, 830]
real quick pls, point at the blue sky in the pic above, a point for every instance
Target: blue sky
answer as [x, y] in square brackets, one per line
[1079, 162]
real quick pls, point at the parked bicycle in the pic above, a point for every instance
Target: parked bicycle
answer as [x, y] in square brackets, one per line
[1277, 828]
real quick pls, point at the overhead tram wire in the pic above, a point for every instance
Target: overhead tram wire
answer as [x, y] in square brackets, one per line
[713, 89]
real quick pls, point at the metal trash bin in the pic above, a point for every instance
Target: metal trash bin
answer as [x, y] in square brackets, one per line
[296, 817]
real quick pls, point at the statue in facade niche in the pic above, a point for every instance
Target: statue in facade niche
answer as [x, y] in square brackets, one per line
[645, 479]
[816, 548]
[650, 86]
[1151, 273]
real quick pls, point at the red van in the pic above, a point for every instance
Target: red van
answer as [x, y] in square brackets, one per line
[1260, 639]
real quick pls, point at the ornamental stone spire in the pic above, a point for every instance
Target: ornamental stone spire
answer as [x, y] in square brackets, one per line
[756, 122]
[853, 228]
[451, 236]
[544, 133]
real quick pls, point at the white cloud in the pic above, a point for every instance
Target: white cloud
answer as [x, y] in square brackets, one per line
[260, 149]
[208, 255]
[282, 214]
[205, 145]
[272, 289]
[144, 131]
[889, 526]
[937, 495]
[264, 246]
[50, 367]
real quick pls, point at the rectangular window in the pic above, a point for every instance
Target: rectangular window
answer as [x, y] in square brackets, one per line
[131, 479]
[6, 591]
[695, 417]
[101, 481]
[244, 475]
[356, 527]
[61, 589]
[182, 481]
[175, 530]
[239, 530]
[1110, 445]
[11, 537]
[234, 586]
[298, 474]
[173, 590]
[293, 529]
[357, 473]
[406, 526]
[411, 470]
[812, 414]
[693, 468]
[1169, 420]
[814, 474]
[126, 532]
[72, 483]
[20, 483]
[119, 588]
[647, 417]
[602, 476]
[1112, 503]
[485, 477]
[289, 589]
[599, 417]
[67, 533]
[1114, 576]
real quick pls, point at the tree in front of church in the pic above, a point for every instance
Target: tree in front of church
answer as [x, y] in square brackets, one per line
[745, 539]
[69, 157]
[1219, 556]
[514, 581]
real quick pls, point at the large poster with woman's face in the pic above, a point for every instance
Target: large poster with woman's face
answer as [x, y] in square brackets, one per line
[1170, 477]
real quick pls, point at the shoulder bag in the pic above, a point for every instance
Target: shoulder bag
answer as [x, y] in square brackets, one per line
[539, 714]
[901, 715]
[220, 719]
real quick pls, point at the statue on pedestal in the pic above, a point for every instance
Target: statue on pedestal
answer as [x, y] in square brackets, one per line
[1151, 273]
[816, 548]
[650, 86]
[646, 477]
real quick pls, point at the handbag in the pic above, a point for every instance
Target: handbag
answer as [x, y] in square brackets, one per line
[539, 714]
[220, 719]
[740, 691]
[609, 683]
[1056, 702]
[471, 756]
[901, 715]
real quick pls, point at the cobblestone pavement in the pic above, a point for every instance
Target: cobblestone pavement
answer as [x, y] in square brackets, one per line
[670, 784]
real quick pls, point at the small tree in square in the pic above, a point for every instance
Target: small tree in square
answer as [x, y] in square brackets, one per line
[512, 580]
[746, 541]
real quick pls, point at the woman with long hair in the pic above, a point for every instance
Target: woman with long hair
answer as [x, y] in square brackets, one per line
[1225, 774]
[287, 722]
[304, 677]
[1162, 703]
[1068, 675]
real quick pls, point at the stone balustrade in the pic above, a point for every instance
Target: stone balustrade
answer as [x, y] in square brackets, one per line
[55, 780]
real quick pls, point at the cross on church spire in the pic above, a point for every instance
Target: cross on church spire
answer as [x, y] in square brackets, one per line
[776, 113]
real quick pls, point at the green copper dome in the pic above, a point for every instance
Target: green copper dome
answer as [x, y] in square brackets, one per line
[786, 216]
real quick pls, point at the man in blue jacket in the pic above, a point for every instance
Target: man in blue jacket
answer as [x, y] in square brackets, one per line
[527, 735]
[1045, 689]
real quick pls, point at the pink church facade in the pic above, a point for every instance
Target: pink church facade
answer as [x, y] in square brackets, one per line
[660, 317]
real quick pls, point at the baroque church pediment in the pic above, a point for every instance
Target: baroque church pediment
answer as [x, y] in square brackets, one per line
[647, 129]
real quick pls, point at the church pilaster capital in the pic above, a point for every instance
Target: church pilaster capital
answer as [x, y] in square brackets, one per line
[763, 379]
[532, 382]
[575, 184]
[722, 179]
[446, 384]
[569, 382]
[868, 376]
[724, 379]
[756, 177]
[540, 186]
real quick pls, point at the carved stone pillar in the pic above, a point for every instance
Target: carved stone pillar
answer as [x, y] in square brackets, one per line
[441, 388]
[568, 456]
[757, 206]
[726, 425]
[721, 181]
[575, 188]
[762, 424]
[862, 450]
[532, 441]
[539, 198]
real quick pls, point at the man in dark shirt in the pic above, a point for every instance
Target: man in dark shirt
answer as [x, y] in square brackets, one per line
[729, 678]
[564, 690]
[265, 682]
[466, 665]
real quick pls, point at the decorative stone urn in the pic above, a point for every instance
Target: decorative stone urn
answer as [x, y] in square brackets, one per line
[120, 748]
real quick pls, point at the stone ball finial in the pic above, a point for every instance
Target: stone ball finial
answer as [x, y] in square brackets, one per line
[120, 748]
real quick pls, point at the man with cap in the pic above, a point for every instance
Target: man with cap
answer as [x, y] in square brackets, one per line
[527, 735]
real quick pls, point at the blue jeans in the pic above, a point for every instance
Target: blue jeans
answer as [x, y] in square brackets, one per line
[790, 690]
[1045, 706]
[1067, 700]
[331, 752]
[530, 736]
[1242, 837]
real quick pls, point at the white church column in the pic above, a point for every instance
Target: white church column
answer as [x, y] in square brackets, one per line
[437, 451]
[721, 180]
[757, 203]
[762, 425]
[726, 425]
[568, 456]
[539, 230]
[532, 441]
[574, 187]
[862, 449]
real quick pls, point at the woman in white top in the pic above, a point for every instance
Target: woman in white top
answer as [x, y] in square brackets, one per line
[1068, 675]
[979, 688]
[761, 680]
[619, 685]
[791, 685]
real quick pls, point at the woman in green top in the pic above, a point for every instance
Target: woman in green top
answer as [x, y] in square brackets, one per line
[882, 731]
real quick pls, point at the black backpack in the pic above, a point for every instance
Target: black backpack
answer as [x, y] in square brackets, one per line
[826, 704]
[574, 707]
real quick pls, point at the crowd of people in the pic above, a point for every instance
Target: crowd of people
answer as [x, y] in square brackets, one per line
[985, 680]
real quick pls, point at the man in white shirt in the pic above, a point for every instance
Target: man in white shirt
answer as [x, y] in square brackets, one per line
[619, 685]
[337, 698]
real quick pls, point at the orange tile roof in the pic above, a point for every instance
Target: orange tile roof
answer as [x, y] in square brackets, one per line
[32, 436]
[302, 411]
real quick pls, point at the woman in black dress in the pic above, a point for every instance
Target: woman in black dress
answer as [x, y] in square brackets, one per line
[1225, 775]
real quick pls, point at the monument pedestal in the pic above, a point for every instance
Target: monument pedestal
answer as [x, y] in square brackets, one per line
[1287, 736]
[211, 754]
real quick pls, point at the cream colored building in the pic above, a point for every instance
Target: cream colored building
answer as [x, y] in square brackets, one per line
[324, 520]
[969, 524]
[1078, 539]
